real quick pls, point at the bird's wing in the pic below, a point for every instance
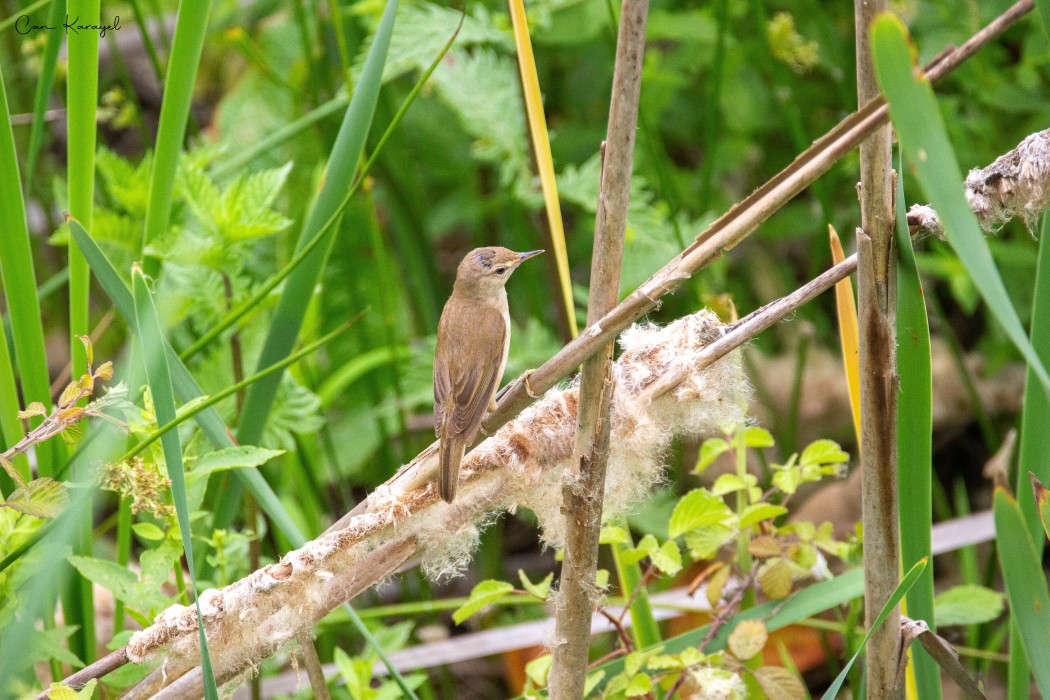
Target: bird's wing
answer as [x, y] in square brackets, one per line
[463, 386]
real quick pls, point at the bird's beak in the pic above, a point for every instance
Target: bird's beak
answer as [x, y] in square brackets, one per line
[522, 257]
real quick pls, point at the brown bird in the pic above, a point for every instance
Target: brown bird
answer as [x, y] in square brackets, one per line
[472, 344]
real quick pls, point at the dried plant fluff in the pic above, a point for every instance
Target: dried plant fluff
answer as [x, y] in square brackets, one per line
[1016, 184]
[521, 465]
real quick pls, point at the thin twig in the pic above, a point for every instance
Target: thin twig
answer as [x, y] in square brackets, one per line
[583, 489]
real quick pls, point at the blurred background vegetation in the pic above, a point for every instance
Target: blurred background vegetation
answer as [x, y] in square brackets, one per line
[732, 91]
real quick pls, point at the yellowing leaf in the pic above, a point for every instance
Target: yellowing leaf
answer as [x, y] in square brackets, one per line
[747, 639]
[715, 585]
[775, 579]
[34, 409]
[41, 498]
[779, 683]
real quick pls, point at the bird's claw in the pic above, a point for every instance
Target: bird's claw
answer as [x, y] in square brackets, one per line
[528, 388]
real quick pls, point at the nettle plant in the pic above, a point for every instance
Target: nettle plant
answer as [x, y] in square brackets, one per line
[730, 532]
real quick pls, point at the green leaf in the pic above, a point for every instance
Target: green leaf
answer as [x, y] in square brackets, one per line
[759, 512]
[1026, 586]
[592, 681]
[485, 593]
[754, 437]
[968, 605]
[148, 531]
[821, 452]
[709, 452]
[613, 534]
[541, 589]
[41, 498]
[920, 129]
[640, 685]
[731, 483]
[538, 669]
[698, 508]
[668, 558]
[704, 542]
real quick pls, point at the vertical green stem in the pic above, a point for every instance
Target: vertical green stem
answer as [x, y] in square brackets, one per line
[81, 104]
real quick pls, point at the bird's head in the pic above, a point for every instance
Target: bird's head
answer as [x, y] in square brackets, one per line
[489, 268]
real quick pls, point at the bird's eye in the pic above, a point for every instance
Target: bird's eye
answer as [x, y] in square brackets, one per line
[500, 270]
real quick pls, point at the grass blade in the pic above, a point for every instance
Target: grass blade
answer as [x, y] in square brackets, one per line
[906, 583]
[19, 279]
[1026, 586]
[541, 148]
[915, 448]
[159, 380]
[288, 317]
[1035, 441]
[190, 27]
[920, 128]
[44, 83]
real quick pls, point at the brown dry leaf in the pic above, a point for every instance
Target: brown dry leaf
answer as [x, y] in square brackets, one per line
[105, 371]
[775, 579]
[779, 683]
[747, 639]
[764, 547]
[715, 586]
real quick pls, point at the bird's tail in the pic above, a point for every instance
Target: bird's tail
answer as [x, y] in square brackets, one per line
[450, 457]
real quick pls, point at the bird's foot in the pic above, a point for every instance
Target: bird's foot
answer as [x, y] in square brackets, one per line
[528, 388]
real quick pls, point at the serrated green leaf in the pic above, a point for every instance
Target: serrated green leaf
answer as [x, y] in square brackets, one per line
[640, 685]
[698, 508]
[968, 605]
[759, 512]
[668, 558]
[704, 542]
[483, 594]
[613, 534]
[41, 498]
[821, 452]
[709, 452]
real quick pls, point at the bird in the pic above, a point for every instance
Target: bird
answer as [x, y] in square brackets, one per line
[472, 344]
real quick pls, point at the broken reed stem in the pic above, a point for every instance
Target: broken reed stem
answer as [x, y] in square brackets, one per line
[877, 301]
[583, 486]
